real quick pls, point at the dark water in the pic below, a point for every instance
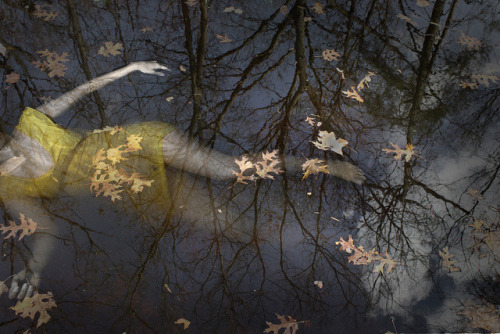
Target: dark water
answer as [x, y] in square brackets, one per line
[245, 81]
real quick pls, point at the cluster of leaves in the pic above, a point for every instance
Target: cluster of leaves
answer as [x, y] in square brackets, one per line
[353, 93]
[26, 226]
[41, 13]
[110, 49]
[107, 179]
[53, 63]
[482, 316]
[290, 325]
[264, 168]
[361, 257]
[408, 152]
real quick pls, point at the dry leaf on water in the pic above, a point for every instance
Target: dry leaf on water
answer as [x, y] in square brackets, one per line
[267, 165]
[12, 78]
[41, 13]
[330, 54]
[328, 141]
[290, 325]
[53, 63]
[38, 303]
[182, 321]
[27, 227]
[353, 94]
[448, 263]
[110, 49]
[318, 8]
[314, 166]
[223, 38]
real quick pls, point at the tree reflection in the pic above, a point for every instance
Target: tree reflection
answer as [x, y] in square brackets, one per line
[130, 272]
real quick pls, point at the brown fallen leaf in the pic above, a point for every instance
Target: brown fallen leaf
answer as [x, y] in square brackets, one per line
[27, 227]
[38, 303]
[184, 322]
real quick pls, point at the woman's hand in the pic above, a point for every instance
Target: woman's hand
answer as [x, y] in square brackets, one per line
[24, 284]
[149, 67]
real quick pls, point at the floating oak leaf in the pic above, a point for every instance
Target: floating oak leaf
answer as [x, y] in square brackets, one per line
[244, 165]
[284, 10]
[364, 82]
[408, 152]
[27, 227]
[470, 42]
[314, 166]
[268, 165]
[191, 3]
[318, 8]
[290, 325]
[328, 141]
[115, 154]
[311, 120]
[448, 263]
[477, 224]
[353, 94]
[53, 63]
[223, 38]
[41, 13]
[110, 49]
[139, 183]
[133, 143]
[12, 78]
[182, 321]
[38, 303]
[347, 246]
[330, 54]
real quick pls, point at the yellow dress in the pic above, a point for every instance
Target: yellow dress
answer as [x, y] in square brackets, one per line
[123, 165]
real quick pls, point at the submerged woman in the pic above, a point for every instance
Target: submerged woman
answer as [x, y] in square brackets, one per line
[43, 159]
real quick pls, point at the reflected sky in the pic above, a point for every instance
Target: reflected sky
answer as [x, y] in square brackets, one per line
[411, 86]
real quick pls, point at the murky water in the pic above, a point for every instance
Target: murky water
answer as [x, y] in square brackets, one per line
[407, 91]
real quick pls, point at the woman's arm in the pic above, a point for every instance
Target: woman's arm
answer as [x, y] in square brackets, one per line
[181, 153]
[58, 106]
[26, 281]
